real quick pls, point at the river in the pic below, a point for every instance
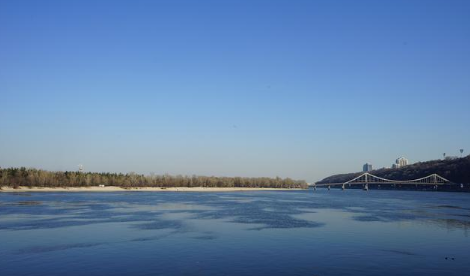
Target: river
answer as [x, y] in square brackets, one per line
[335, 232]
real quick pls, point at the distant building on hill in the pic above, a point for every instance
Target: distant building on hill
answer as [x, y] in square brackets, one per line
[367, 167]
[400, 162]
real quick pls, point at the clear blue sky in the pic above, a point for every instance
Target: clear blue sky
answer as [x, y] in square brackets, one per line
[300, 89]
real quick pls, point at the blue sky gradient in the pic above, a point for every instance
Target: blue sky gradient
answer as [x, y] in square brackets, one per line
[300, 89]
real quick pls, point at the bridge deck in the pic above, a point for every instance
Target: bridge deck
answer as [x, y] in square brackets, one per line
[370, 179]
[378, 183]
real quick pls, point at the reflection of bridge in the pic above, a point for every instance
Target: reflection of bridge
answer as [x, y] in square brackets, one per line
[367, 179]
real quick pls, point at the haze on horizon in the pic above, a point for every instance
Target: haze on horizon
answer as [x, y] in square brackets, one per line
[300, 89]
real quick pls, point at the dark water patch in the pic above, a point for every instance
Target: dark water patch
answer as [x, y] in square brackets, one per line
[205, 237]
[307, 210]
[184, 211]
[366, 218]
[28, 203]
[45, 224]
[144, 239]
[449, 206]
[384, 216]
[45, 207]
[452, 207]
[464, 215]
[454, 223]
[19, 194]
[60, 222]
[153, 238]
[45, 249]
[401, 252]
[278, 222]
[398, 215]
[161, 224]
[32, 210]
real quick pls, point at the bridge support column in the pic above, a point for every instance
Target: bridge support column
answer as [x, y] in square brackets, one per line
[366, 187]
[314, 187]
[328, 187]
[343, 187]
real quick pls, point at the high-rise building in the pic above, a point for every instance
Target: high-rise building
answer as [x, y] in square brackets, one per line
[367, 167]
[400, 162]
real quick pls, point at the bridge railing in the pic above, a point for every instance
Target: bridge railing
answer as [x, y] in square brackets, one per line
[367, 178]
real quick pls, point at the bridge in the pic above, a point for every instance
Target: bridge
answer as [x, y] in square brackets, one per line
[367, 179]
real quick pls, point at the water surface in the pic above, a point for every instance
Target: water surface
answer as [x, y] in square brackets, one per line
[334, 232]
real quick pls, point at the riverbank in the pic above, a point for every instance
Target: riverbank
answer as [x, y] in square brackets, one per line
[139, 189]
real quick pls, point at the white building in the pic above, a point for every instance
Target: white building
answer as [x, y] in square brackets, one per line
[400, 162]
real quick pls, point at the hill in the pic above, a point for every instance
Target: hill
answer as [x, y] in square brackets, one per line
[455, 170]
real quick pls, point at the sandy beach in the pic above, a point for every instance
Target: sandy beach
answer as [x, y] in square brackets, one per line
[142, 189]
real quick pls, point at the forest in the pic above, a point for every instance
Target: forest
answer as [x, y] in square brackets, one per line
[29, 177]
[455, 170]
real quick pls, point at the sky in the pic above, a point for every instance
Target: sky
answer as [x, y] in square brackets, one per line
[300, 89]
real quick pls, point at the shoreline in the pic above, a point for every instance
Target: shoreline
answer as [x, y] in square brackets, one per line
[5, 189]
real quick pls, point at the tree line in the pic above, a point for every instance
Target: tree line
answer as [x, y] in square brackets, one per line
[29, 177]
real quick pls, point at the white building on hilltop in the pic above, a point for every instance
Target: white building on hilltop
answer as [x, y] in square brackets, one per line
[400, 162]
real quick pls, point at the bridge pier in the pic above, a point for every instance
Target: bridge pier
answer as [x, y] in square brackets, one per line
[343, 187]
[366, 187]
[328, 187]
